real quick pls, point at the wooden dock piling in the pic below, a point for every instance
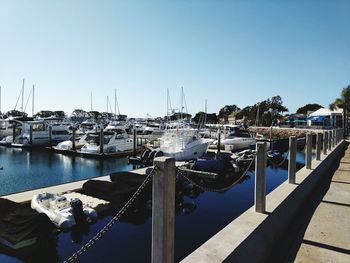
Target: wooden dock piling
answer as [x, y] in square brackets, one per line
[163, 212]
[260, 178]
[292, 159]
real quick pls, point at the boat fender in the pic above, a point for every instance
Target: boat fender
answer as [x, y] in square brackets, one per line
[77, 210]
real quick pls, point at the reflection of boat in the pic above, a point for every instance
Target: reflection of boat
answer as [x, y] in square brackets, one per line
[183, 144]
[62, 212]
[20, 226]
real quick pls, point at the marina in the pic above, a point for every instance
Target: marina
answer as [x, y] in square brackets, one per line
[174, 131]
[191, 209]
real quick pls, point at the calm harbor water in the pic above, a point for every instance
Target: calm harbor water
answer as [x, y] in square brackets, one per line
[199, 214]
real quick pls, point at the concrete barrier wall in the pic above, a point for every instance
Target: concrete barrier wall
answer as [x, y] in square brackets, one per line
[252, 236]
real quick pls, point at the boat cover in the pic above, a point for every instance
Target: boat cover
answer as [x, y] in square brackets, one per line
[19, 222]
[132, 179]
[114, 192]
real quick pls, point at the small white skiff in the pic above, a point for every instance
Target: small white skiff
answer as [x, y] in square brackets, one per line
[63, 212]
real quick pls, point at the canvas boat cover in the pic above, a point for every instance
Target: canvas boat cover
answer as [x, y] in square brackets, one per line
[19, 222]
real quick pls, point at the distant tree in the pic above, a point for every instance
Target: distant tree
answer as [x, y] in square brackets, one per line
[177, 116]
[308, 107]
[344, 103]
[226, 111]
[79, 115]
[15, 113]
[59, 114]
[94, 114]
[199, 118]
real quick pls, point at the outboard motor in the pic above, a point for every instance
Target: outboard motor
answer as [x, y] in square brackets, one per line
[77, 210]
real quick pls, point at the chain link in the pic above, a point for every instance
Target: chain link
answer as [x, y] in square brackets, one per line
[104, 230]
[207, 189]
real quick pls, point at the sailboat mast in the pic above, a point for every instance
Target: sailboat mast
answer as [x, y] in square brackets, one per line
[0, 99]
[205, 113]
[33, 102]
[182, 97]
[22, 95]
[91, 101]
[107, 104]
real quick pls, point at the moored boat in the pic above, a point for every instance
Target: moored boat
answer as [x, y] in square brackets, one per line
[63, 213]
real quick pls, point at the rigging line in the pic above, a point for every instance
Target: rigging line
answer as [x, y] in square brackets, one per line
[18, 99]
[25, 107]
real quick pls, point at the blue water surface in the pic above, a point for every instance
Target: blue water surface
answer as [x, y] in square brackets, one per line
[199, 215]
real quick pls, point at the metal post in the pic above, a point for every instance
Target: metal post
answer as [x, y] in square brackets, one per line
[260, 177]
[50, 135]
[73, 139]
[330, 135]
[292, 159]
[319, 140]
[334, 136]
[134, 142]
[31, 134]
[325, 143]
[308, 150]
[101, 139]
[163, 211]
[219, 141]
[13, 132]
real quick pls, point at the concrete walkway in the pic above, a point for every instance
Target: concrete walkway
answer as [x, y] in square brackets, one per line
[327, 236]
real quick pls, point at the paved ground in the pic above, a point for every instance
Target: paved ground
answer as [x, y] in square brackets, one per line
[327, 234]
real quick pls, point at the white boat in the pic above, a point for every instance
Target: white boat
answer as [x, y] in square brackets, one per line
[86, 127]
[237, 138]
[37, 133]
[6, 141]
[112, 143]
[6, 128]
[183, 144]
[60, 209]
[79, 143]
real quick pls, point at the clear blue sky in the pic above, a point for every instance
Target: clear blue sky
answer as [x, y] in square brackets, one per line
[228, 52]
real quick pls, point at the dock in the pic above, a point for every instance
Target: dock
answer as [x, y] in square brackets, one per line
[327, 235]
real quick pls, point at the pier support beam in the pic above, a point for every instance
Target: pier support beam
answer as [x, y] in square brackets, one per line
[135, 142]
[319, 140]
[13, 132]
[260, 178]
[73, 138]
[325, 143]
[50, 136]
[219, 140]
[292, 159]
[330, 136]
[163, 211]
[101, 139]
[31, 134]
[308, 150]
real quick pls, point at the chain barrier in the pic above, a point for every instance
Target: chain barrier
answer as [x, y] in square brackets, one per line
[104, 230]
[207, 189]
[280, 163]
